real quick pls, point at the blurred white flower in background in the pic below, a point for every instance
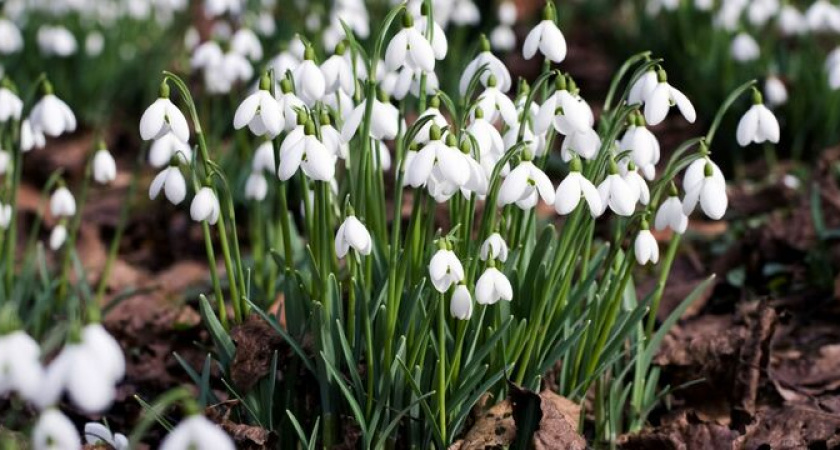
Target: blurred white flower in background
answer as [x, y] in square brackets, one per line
[744, 48]
[197, 433]
[775, 91]
[56, 41]
[54, 431]
[11, 40]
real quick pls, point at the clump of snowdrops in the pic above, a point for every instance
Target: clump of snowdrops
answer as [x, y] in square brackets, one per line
[423, 255]
[714, 46]
[54, 350]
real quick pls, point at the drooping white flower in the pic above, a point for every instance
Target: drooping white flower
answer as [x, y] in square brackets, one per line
[709, 191]
[492, 286]
[440, 45]
[823, 16]
[758, 124]
[164, 148]
[94, 44]
[546, 38]
[495, 103]
[436, 118]
[646, 247]
[494, 247]
[445, 269]
[104, 167]
[289, 103]
[491, 146]
[507, 12]
[98, 434]
[563, 111]
[77, 371]
[62, 203]
[662, 98]
[5, 216]
[215, 8]
[617, 194]
[643, 145]
[173, 184]
[745, 48]
[31, 138]
[570, 190]
[643, 88]
[638, 187]
[524, 185]
[775, 91]
[409, 48]
[671, 215]
[443, 156]
[11, 106]
[534, 143]
[205, 206]
[11, 40]
[302, 149]
[256, 186]
[58, 236]
[460, 306]
[109, 354]
[791, 21]
[206, 55]
[384, 126]
[51, 115]
[197, 433]
[310, 85]
[332, 139]
[246, 43]
[56, 41]
[20, 365]
[493, 66]
[261, 112]
[338, 72]
[163, 116]
[503, 38]
[54, 431]
[352, 233]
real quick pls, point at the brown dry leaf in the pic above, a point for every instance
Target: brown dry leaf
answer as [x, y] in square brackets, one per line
[246, 437]
[791, 428]
[685, 432]
[255, 343]
[496, 427]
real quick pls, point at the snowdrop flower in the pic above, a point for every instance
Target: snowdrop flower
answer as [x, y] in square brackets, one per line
[409, 48]
[104, 166]
[20, 365]
[670, 214]
[54, 431]
[436, 118]
[302, 149]
[546, 38]
[758, 124]
[256, 186]
[352, 233]
[643, 146]
[98, 434]
[643, 88]
[173, 184]
[445, 269]
[260, 111]
[645, 246]
[823, 16]
[524, 185]
[662, 98]
[775, 91]
[5, 161]
[11, 40]
[94, 43]
[460, 306]
[57, 236]
[289, 103]
[246, 43]
[639, 189]
[56, 41]
[745, 48]
[11, 106]
[491, 146]
[338, 72]
[709, 190]
[572, 187]
[494, 103]
[478, 181]
[205, 206]
[443, 156]
[494, 67]
[332, 139]
[51, 115]
[494, 247]
[310, 84]
[31, 138]
[166, 147]
[791, 21]
[616, 193]
[99, 342]
[163, 116]
[503, 38]
[197, 433]
[440, 45]
[492, 286]
[534, 143]
[507, 12]
[384, 126]
[264, 158]
[465, 12]
[215, 8]
[76, 370]
[62, 203]
[5, 216]
[564, 112]
[206, 55]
